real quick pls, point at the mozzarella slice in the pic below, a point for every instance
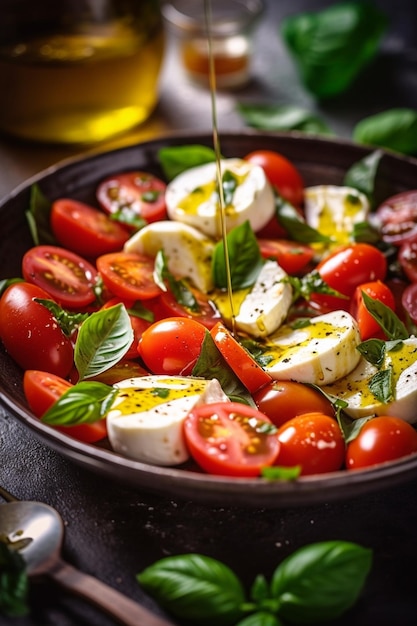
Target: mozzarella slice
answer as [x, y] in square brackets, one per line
[193, 198]
[146, 420]
[261, 310]
[320, 352]
[354, 388]
[188, 251]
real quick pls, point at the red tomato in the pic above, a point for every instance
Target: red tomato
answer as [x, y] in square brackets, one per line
[172, 346]
[409, 301]
[283, 400]
[128, 275]
[134, 194]
[368, 326]
[42, 390]
[239, 360]
[398, 218]
[291, 256]
[30, 333]
[407, 256]
[313, 441]
[229, 439]
[167, 306]
[67, 277]
[345, 269]
[381, 439]
[85, 230]
[281, 173]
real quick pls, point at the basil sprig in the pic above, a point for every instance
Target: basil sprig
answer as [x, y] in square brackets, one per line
[395, 129]
[67, 320]
[14, 582]
[245, 259]
[317, 582]
[176, 159]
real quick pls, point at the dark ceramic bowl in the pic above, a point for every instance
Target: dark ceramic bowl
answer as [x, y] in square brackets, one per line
[319, 161]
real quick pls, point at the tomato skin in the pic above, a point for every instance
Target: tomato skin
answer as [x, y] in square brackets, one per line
[67, 277]
[345, 269]
[381, 439]
[283, 400]
[313, 441]
[398, 218]
[281, 173]
[128, 275]
[30, 333]
[172, 346]
[409, 301]
[224, 439]
[43, 389]
[407, 256]
[167, 306]
[86, 230]
[140, 194]
[239, 360]
[292, 256]
[368, 326]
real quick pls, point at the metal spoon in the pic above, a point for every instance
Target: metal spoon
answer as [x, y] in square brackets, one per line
[37, 532]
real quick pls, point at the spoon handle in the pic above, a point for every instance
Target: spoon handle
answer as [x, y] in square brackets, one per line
[114, 603]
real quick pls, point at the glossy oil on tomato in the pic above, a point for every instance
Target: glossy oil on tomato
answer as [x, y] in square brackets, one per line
[368, 326]
[172, 346]
[205, 311]
[30, 333]
[128, 275]
[398, 218]
[292, 256]
[312, 441]
[381, 439]
[409, 301]
[281, 173]
[230, 439]
[407, 257]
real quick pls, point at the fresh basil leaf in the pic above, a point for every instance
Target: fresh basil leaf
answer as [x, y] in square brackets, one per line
[260, 589]
[308, 284]
[282, 118]
[195, 587]
[364, 232]
[6, 282]
[296, 227]
[14, 582]
[320, 581]
[388, 320]
[179, 288]
[245, 260]
[373, 350]
[38, 217]
[333, 45]
[139, 310]
[176, 159]
[281, 473]
[362, 174]
[102, 340]
[382, 385]
[229, 185]
[395, 129]
[125, 215]
[84, 403]
[260, 618]
[349, 427]
[68, 321]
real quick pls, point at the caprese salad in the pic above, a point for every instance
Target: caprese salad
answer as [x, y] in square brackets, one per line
[248, 327]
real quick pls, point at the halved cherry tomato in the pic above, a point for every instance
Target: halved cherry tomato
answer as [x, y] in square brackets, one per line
[134, 194]
[241, 362]
[281, 400]
[281, 173]
[43, 389]
[128, 275]
[206, 312]
[67, 277]
[381, 439]
[230, 439]
[407, 256]
[293, 257]
[398, 218]
[409, 301]
[30, 333]
[345, 269]
[172, 345]
[368, 326]
[85, 230]
[313, 441]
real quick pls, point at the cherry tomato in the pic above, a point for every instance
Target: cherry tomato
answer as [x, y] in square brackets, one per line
[345, 269]
[313, 441]
[381, 439]
[172, 346]
[206, 312]
[128, 275]
[86, 230]
[398, 218]
[407, 256]
[239, 360]
[42, 390]
[30, 333]
[134, 194]
[368, 326]
[409, 301]
[282, 400]
[67, 277]
[230, 439]
[293, 257]
[281, 173]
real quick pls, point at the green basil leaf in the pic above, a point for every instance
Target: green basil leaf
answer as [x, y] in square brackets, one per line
[38, 217]
[281, 473]
[68, 321]
[6, 282]
[139, 310]
[395, 129]
[373, 350]
[382, 385]
[296, 227]
[179, 288]
[229, 185]
[388, 320]
[332, 46]
[272, 117]
[260, 589]
[245, 260]
[126, 215]
[320, 581]
[310, 283]
[362, 174]
[261, 618]
[176, 159]
[14, 582]
[103, 339]
[84, 403]
[349, 427]
[195, 587]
